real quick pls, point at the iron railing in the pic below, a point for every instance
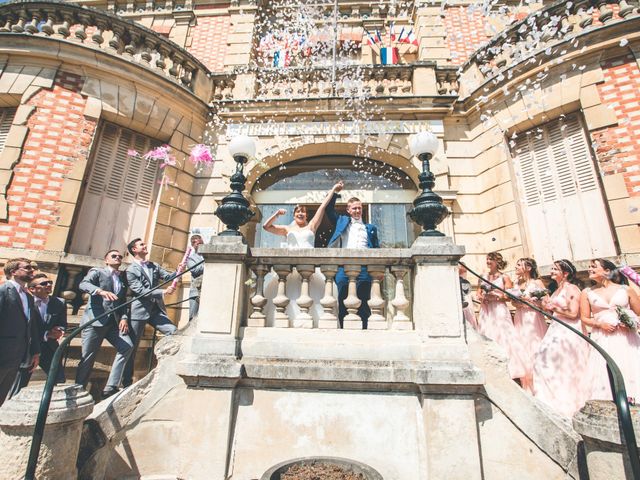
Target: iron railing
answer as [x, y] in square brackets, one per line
[43, 411]
[615, 379]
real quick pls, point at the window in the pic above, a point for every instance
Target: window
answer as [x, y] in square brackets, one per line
[6, 118]
[562, 202]
[119, 193]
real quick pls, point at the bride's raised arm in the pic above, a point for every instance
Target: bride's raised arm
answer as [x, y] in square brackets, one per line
[317, 218]
[276, 229]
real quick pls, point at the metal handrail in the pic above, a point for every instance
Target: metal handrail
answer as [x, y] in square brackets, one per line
[615, 380]
[45, 402]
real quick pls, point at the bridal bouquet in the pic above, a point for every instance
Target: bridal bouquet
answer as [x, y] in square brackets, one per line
[485, 287]
[627, 318]
[538, 293]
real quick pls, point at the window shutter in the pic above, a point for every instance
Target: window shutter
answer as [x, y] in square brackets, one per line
[6, 119]
[563, 205]
[119, 194]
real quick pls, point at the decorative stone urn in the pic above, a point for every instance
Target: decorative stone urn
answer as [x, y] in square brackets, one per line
[70, 405]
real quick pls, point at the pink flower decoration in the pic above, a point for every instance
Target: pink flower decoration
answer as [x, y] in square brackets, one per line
[631, 274]
[201, 155]
[162, 155]
[132, 153]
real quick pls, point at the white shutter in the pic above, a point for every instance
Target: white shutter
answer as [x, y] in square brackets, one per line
[119, 193]
[563, 206]
[6, 118]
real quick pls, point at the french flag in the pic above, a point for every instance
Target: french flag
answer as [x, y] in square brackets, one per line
[409, 37]
[389, 55]
[281, 58]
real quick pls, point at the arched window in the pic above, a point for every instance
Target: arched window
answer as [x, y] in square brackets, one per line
[386, 193]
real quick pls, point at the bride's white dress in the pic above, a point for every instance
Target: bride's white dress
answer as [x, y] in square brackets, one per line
[303, 238]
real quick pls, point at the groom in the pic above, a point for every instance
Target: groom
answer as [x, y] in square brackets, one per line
[352, 232]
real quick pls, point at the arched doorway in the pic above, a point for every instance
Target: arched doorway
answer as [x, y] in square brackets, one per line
[386, 193]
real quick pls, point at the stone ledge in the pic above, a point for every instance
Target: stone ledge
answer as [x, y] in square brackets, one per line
[598, 419]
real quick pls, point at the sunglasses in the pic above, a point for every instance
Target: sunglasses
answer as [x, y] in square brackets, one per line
[116, 256]
[48, 283]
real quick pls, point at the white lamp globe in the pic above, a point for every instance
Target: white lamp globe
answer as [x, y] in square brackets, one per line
[423, 142]
[243, 146]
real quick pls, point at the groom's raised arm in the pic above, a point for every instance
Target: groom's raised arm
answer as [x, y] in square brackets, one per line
[331, 209]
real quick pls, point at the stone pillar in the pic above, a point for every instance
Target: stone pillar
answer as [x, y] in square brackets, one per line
[70, 405]
[597, 424]
[224, 295]
[437, 287]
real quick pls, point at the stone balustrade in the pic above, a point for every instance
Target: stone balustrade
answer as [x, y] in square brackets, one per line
[306, 277]
[103, 31]
[353, 81]
[544, 29]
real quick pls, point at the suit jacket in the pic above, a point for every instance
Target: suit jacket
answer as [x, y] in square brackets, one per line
[19, 335]
[139, 283]
[100, 278]
[341, 223]
[196, 273]
[56, 316]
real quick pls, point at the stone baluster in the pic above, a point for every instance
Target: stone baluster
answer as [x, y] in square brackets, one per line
[47, 27]
[625, 9]
[352, 320]
[163, 53]
[328, 319]
[258, 301]
[130, 6]
[393, 81]
[377, 320]
[145, 54]
[62, 30]
[80, 34]
[32, 26]
[400, 320]
[405, 76]
[304, 301]
[378, 77]
[97, 37]
[18, 27]
[115, 44]
[69, 292]
[606, 12]
[149, 6]
[7, 25]
[280, 301]
[229, 85]
[187, 73]
[586, 18]
[218, 85]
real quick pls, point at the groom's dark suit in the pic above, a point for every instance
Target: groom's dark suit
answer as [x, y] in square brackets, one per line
[363, 286]
[18, 335]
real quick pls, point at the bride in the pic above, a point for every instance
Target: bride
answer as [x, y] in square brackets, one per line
[299, 234]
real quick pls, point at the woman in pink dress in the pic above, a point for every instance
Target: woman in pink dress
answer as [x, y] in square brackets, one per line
[604, 308]
[494, 319]
[530, 325]
[559, 368]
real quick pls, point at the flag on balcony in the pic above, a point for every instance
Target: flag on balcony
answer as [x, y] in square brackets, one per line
[392, 33]
[371, 40]
[389, 55]
[408, 37]
[281, 58]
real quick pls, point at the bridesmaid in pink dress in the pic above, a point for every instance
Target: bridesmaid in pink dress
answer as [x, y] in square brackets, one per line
[495, 321]
[560, 365]
[599, 309]
[530, 325]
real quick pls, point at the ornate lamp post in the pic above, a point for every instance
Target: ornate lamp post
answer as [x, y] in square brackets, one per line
[234, 210]
[428, 210]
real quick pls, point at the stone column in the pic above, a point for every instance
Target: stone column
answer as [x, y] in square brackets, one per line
[597, 424]
[328, 319]
[352, 320]
[304, 301]
[70, 405]
[377, 320]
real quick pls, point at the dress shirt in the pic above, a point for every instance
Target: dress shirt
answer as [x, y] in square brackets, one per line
[41, 304]
[23, 297]
[145, 268]
[115, 278]
[356, 235]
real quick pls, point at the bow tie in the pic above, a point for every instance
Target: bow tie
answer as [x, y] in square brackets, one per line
[115, 272]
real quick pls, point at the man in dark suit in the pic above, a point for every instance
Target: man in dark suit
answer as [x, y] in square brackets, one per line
[107, 287]
[196, 275]
[52, 322]
[351, 232]
[144, 276]
[18, 324]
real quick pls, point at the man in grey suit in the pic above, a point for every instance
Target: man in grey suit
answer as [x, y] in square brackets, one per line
[196, 275]
[108, 289]
[144, 276]
[52, 322]
[19, 331]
